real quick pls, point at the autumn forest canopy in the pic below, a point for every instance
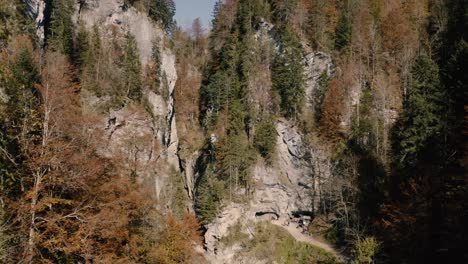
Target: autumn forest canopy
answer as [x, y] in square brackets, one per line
[286, 131]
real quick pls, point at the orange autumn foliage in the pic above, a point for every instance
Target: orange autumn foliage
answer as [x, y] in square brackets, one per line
[177, 241]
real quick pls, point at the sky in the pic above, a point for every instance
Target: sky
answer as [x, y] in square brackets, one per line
[188, 10]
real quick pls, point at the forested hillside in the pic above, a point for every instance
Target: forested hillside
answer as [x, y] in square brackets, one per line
[287, 131]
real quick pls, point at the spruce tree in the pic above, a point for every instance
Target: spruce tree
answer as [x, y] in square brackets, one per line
[208, 195]
[19, 123]
[422, 120]
[283, 10]
[235, 153]
[61, 27]
[288, 78]
[222, 85]
[265, 138]
[156, 73]
[90, 57]
[132, 68]
[343, 31]
[163, 11]
[21, 92]
[82, 45]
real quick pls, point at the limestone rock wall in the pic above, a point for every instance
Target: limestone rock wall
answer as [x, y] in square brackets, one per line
[36, 11]
[149, 140]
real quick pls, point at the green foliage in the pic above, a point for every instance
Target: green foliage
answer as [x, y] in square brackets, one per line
[163, 11]
[288, 74]
[331, 235]
[235, 158]
[90, 53]
[60, 35]
[82, 46]
[283, 10]
[14, 21]
[6, 27]
[213, 96]
[235, 155]
[422, 117]
[343, 31]
[250, 12]
[23, 102]
[365, 250]
[234, 235]
[222, 84]
[132, 69]
[208, 196]
[25, 73]
[179, 195]
[209, 190]
[225, 93]
[265, 138]
[273, 244]
[362, 129]
[8, 169]
[155, 73]
[18, 115]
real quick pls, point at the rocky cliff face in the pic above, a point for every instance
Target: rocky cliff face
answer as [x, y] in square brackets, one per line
[112, 15]
[148, 144]
[147, 140]
[288, 192]
[316, 63]
[36, 10]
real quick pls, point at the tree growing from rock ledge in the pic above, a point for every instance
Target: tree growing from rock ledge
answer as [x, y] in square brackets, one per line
[132, 68]
[61, 29]
[288, 74]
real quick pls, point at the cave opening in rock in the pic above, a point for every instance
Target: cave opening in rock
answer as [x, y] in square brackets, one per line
[266, 215]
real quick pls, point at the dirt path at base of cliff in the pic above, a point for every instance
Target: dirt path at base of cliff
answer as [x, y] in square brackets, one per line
[299, 236]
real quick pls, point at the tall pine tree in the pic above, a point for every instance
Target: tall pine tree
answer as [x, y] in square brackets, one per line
[288, 74]
[422, 121]
[60, 35]
[132, 68]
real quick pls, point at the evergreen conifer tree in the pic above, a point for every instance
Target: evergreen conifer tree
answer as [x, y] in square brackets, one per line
[208, 195]
[422, 119]
[343, 31]
[82, 45]
[61, 27]
[156, 73]
[163, 11]
[132, 68]
[20, 121]
[288, 74]
[21, 92]
[265, 138]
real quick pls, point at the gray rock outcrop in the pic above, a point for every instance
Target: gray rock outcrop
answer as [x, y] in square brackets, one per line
[316, 63]
[147, 139]
[289, 191]
[284, 193]
[36, 10]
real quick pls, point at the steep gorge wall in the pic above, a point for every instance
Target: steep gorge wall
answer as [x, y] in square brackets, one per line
[144, 136]
[287, 191]
[150, 140]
